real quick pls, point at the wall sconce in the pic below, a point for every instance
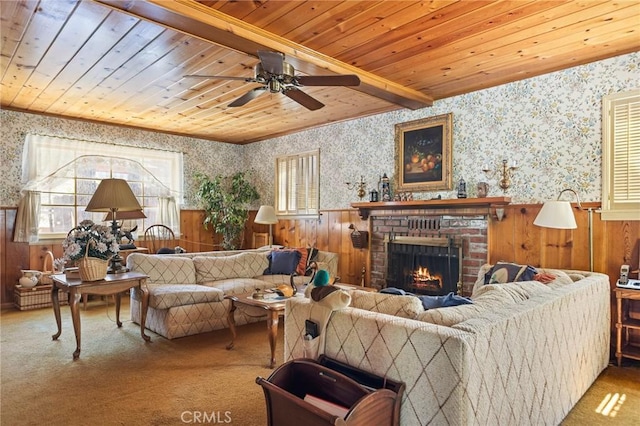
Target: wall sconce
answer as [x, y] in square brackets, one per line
[359, 186]
[505, 172]
[499, 213]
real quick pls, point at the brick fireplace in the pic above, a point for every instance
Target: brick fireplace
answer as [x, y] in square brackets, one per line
[459, 227]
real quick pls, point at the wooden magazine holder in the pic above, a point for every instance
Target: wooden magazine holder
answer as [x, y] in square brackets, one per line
[371, 400]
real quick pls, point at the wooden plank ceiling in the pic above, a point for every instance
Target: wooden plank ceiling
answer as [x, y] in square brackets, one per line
[124, 62]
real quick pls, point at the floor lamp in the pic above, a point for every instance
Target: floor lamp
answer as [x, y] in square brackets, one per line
[113, 196]
[267, 216]
[559, 215]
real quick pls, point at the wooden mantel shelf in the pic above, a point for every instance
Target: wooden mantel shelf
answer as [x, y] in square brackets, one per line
[366, 208]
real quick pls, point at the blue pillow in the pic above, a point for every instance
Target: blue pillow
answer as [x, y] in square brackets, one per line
[283, 262]
[432, 302]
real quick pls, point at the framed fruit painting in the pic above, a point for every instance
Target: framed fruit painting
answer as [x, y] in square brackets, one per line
[423, 154]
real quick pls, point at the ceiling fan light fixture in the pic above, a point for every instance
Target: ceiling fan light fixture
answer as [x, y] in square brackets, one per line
[288, 72]
[260, 73]
[274, 86]
[278, 76]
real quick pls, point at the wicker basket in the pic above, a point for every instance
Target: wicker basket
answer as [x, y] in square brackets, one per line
[47, 268]
[92, 268]
[359, 239]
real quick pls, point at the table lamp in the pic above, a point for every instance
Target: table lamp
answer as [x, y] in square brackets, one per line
[114, 196]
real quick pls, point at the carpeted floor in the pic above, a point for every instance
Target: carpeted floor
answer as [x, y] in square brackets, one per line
[121, 380]
[613, 399]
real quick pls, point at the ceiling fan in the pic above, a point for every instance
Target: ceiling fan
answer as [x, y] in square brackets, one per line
[278, 76]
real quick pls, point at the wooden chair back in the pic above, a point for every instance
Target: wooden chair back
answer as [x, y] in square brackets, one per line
[159, 236]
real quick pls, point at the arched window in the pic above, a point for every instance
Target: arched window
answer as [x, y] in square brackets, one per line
[63, 174]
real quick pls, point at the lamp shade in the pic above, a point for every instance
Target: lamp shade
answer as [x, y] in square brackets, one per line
[266, 215]
[556, 214]
[113, 195]
[132, 215]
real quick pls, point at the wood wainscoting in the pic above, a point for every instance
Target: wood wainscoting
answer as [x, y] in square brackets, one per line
[514, 238]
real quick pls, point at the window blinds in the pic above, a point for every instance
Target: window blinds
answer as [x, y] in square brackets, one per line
[621, 162]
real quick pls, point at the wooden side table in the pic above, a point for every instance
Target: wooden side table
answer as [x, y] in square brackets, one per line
[624, 323]
[123, 254]
[260, 239]
[112, 285]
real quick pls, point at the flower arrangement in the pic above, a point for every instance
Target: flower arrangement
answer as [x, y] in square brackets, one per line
[101, 242]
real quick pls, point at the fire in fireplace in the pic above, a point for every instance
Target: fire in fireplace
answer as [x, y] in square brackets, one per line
[424, 265]
[422, 278]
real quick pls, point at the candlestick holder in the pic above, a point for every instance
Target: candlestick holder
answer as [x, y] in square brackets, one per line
[504, 173]
[360, 187]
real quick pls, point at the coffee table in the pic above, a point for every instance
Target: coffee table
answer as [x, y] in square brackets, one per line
[274, 305]
[275, 309]
[112, 285]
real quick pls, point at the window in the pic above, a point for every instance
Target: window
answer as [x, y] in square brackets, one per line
[66, 173]
[298, 184]
[621, 156]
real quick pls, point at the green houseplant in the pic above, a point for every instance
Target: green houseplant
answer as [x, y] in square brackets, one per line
[226, 200]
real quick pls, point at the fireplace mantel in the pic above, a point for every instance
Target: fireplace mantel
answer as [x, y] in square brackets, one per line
[364, 209]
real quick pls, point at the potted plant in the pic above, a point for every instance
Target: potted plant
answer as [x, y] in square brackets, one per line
[226, 201]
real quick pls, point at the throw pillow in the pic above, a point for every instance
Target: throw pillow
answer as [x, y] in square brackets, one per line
[283, 262]
[505, 272]
[302, 264]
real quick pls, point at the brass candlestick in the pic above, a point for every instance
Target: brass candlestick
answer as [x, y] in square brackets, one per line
[505, 173]
[359, 186]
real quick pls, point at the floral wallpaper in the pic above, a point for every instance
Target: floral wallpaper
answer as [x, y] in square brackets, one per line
[199, 155]
[550, 125]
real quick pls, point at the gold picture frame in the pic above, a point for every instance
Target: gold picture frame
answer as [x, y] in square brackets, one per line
[423, 154]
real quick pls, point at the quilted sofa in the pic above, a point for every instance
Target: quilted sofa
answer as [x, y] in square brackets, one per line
[522, 354]
[186, 291]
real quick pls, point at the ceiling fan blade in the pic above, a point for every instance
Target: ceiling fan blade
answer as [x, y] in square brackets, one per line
[221, 77]
[251, 94]
[271, 61]
[329, 80]
[303, 99]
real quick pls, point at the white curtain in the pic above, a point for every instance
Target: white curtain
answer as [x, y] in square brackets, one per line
[168, 213]
[27, 218]
[49, 162]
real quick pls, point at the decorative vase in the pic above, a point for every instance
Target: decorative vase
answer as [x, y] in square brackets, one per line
[29, 278]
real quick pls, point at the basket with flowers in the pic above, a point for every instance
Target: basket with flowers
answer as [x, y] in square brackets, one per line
[91, 246]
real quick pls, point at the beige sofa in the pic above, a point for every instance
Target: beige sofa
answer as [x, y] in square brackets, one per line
[522, 354]
[186, 291]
